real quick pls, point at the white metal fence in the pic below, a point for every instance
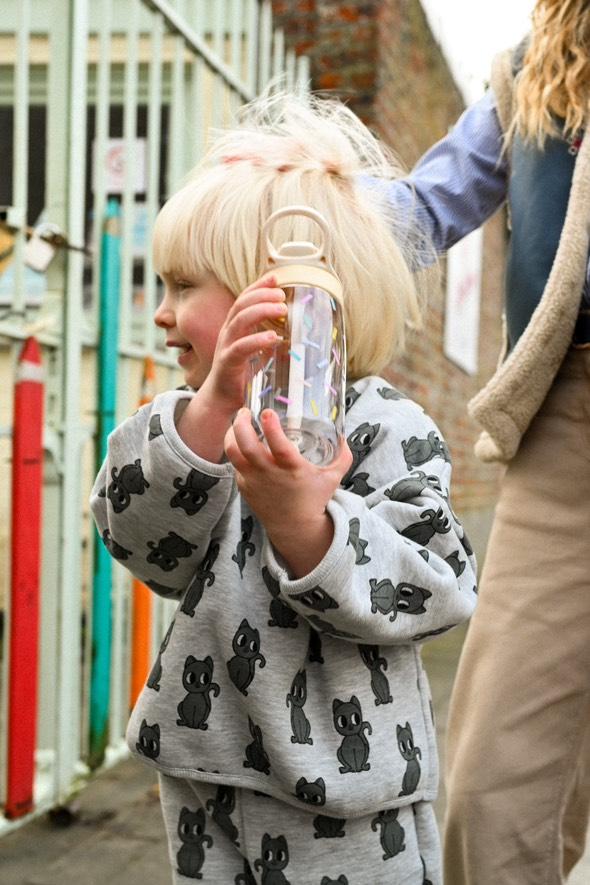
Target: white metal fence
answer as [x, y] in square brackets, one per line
[84, 87]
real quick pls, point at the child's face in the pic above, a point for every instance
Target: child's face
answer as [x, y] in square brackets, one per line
[192, 312]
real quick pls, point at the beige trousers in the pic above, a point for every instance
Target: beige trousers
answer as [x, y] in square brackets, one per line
[518, 754]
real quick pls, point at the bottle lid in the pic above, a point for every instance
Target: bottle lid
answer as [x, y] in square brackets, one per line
[301, 262]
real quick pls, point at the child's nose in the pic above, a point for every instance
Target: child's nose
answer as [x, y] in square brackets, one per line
[164, 315]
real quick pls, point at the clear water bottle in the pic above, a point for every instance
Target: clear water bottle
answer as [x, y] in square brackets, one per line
[303, 380]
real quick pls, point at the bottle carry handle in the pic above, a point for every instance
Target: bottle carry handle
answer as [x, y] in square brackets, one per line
[315, 254]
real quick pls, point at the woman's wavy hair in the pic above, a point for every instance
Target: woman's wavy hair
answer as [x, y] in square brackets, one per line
[555, 78]
[286, 150]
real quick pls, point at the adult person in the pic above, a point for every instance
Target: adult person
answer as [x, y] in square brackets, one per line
[519, 725]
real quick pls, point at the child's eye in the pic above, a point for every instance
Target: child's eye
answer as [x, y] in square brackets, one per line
[181, 285]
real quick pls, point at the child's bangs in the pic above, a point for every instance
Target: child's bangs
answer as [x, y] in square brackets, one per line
[211, 226]
[187, 241]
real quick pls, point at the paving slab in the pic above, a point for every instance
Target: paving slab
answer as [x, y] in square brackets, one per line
[116, 837]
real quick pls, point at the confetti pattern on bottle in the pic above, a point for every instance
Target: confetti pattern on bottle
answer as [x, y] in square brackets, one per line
[303, 378]
[309, 343]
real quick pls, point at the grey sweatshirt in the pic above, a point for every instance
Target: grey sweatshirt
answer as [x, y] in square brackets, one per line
[312, 689]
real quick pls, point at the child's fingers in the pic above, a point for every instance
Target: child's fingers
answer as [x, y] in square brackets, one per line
[251, 448]
[343, 460]
[266, 280]
[254, 315]
[282, 449]
[243, 349]
[254, 295]
[232, 450]
[246, 299]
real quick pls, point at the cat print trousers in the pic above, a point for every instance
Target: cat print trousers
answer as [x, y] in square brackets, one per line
[223, 835]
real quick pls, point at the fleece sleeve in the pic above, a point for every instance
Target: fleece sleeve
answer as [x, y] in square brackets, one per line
[400, 567]
[155, 502]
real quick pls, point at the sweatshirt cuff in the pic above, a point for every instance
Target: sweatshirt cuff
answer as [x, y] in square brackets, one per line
[334, 567]
[173, 403]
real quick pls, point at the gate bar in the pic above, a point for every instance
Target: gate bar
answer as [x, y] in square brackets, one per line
[176, 23]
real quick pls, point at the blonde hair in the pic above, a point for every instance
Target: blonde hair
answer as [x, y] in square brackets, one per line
[555, 79]
[288, 150]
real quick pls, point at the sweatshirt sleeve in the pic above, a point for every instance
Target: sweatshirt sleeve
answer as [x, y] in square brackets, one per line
[400, 567]
[155, 502]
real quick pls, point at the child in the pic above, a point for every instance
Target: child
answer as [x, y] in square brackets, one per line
[288, 713]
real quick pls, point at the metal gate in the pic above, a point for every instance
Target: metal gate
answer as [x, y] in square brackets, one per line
[104, 107]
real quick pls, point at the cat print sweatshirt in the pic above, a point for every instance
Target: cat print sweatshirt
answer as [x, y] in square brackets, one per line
[311, 689]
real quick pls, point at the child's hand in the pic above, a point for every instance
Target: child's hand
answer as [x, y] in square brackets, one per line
[239, 341]
[287, 493]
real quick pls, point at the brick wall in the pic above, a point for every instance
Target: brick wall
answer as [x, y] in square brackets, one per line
[382, 59]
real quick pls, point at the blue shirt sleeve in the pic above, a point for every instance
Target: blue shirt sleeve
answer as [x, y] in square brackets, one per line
[459, 183]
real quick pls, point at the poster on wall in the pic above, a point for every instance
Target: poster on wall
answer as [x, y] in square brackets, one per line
[461, 334]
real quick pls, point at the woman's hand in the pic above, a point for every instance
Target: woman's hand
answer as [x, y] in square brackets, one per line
[287, 493]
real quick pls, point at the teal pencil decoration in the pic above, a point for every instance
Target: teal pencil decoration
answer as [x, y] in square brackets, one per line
[100, 675]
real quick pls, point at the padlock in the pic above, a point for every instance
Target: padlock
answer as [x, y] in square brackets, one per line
[37, 252]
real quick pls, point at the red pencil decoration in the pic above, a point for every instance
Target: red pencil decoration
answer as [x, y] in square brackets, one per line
[27, 474]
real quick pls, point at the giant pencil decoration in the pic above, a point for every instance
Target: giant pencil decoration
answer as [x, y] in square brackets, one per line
[100, 676]
[142, 597]
[27, 472]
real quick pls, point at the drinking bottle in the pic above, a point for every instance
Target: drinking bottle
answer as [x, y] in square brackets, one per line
[303, 379]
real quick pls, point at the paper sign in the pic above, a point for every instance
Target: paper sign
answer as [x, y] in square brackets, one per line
[461, 336]
[114, 165]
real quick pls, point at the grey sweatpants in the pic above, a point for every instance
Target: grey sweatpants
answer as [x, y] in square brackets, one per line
[231, 836]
